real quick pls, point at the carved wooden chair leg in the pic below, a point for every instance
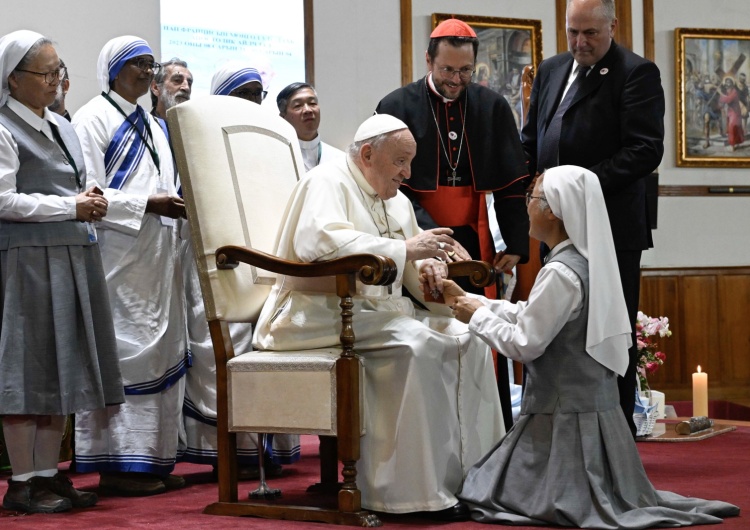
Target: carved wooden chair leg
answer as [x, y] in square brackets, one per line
[263, 491]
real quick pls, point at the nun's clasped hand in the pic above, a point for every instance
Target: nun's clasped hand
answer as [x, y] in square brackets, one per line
[91, 206]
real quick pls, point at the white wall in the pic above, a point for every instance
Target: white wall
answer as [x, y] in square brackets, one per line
[696, 231]
[79, 29]
[358, 61]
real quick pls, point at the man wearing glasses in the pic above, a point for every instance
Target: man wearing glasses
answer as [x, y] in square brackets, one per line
[134, 445]
[58, 106]
[467, 146]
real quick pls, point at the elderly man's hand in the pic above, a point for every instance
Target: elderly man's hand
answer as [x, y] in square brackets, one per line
[464, 308]
[432, 272]
[433, 243]
[459, 253]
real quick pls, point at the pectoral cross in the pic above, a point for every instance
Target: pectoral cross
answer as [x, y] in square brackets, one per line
[453, 178]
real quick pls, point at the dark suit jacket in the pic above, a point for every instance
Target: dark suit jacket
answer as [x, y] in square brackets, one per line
[614, 127]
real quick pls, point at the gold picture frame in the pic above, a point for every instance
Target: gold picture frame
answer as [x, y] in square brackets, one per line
[506, 46]
[712, 98]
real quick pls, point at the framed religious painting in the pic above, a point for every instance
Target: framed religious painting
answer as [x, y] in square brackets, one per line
[506, 47]
[712, 97]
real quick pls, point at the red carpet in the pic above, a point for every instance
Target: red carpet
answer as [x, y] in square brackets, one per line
[716, 468]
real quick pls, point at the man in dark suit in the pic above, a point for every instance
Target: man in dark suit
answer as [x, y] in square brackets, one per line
[609, 118]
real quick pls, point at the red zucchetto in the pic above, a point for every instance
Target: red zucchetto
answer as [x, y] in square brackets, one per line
[453, 28]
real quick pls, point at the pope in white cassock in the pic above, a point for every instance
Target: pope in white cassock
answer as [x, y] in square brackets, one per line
[431, 404]
[134, 445]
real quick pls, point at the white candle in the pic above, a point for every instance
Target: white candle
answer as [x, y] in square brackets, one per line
[700, 393]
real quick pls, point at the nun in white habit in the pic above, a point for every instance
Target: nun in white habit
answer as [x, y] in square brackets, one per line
[134, 446]
[239, 80]
[570, 459]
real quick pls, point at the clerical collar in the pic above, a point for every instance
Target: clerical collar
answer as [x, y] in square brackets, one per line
[312, 151]
[432, 88]
[310, 144]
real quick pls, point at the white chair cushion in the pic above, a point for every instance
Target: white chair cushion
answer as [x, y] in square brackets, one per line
[286, 392]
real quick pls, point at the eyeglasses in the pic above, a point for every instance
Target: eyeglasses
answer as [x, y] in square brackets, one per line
[529, 196]
[144, 65]
[246, 93]
[464, 73]
[49, 77]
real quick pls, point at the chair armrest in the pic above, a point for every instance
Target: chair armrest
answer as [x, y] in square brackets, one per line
[480, 273]
[371, 269]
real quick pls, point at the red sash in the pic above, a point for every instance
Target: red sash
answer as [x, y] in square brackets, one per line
[462, 206]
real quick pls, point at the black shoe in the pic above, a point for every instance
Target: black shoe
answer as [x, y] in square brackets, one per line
[62, 485]
[457, 512]
[31, 496]
[172, 482]
[130, 484]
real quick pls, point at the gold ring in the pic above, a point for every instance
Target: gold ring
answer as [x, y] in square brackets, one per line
[451, 253]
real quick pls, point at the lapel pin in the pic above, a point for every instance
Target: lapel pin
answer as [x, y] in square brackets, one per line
[603, 71]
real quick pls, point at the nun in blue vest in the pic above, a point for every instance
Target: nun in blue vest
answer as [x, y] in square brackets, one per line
[57, 343]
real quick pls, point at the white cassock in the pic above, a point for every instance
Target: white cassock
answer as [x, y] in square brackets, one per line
[199, 410]
[139, 254]
[431, 402]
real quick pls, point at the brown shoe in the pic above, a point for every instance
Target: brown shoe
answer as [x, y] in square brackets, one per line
[62, 485]
[130, 484]
[172, 482]
[31, 496]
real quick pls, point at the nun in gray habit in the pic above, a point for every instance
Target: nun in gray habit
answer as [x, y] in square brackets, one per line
[570, 460]
[57, 344]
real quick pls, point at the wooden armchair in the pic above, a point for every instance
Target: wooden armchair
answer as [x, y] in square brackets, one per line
[238, 164]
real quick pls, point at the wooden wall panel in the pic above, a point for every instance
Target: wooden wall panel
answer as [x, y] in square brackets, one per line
[659, 297]
[708, 310]
[734, 316]
[700, 320]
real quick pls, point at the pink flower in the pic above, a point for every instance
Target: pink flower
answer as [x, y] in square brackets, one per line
[660, 355]
[652, 367]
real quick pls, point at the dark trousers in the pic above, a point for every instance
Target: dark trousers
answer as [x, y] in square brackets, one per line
[629, 263]
[470, 241]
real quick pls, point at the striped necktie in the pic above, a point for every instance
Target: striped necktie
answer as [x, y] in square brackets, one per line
[551, 143]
